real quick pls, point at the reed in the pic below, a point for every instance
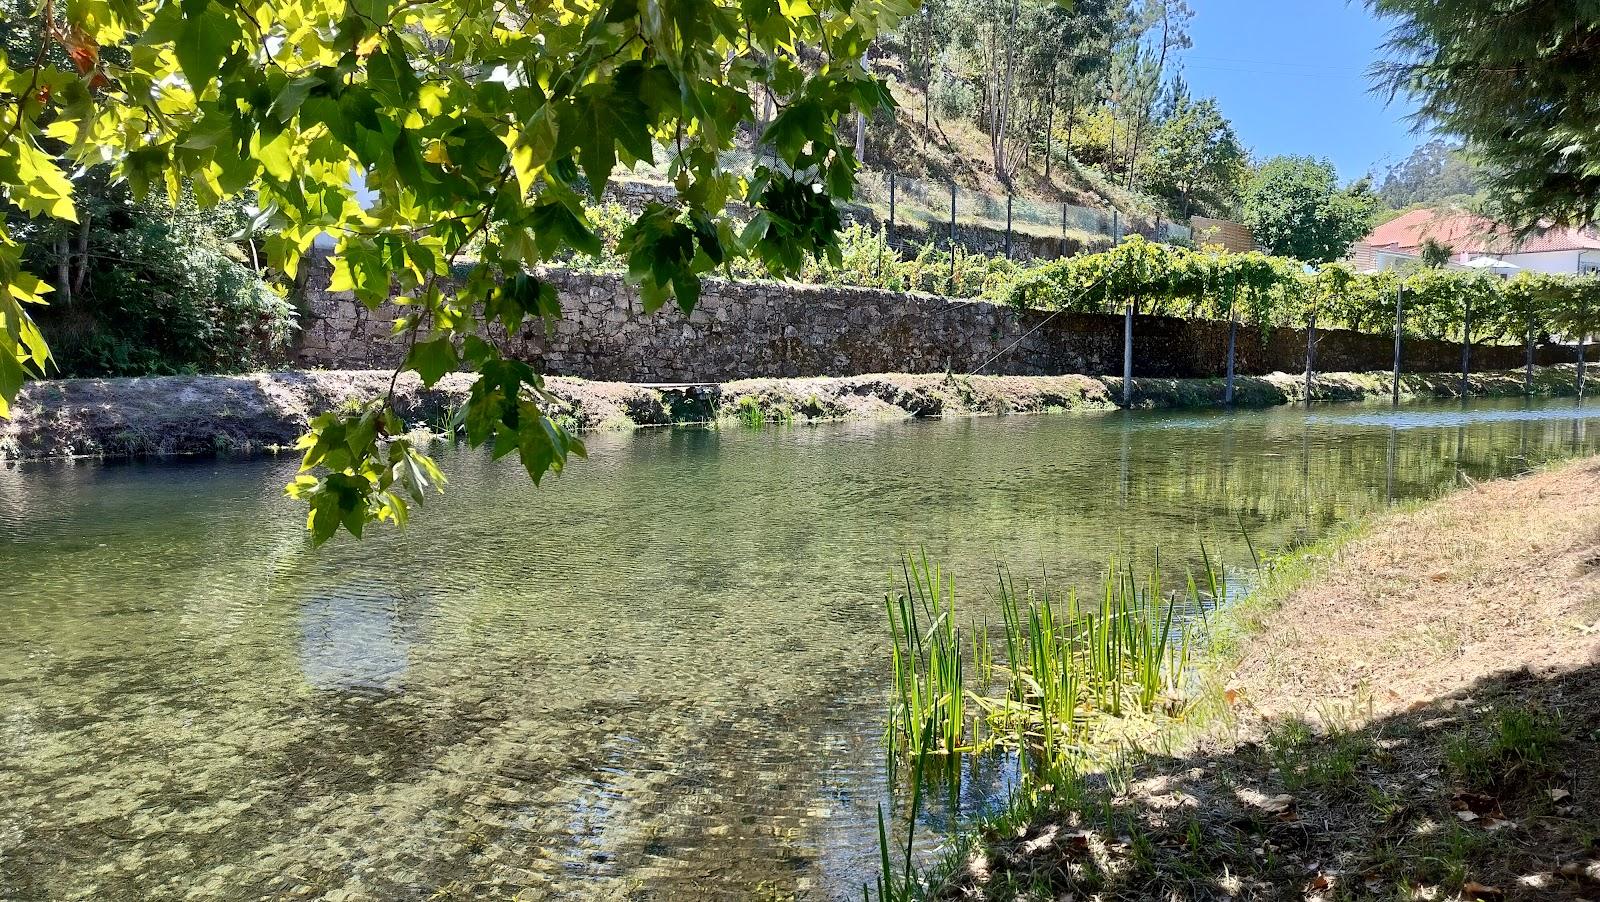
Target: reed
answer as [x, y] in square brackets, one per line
[1066, 667]
[1065, 663]
[929, 676]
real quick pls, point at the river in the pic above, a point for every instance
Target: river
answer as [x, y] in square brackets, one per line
[659, 676]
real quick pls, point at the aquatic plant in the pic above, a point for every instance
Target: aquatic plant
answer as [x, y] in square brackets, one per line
[929, 676]
[1065, 663]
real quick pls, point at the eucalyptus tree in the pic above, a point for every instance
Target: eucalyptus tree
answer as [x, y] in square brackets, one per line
[478, 123]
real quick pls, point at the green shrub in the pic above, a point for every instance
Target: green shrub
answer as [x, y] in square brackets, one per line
[153, 289]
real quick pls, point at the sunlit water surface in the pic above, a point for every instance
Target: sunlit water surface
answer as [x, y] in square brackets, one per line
[659, 676]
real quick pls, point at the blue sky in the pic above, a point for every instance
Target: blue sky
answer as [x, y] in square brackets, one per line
[1291, 76]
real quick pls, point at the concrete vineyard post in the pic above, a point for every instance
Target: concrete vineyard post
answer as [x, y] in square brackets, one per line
[1008, 227]
[1127, 355]
[1399, 314]
[1311, 350]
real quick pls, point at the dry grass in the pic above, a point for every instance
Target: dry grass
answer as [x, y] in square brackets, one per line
[1499, 577]
[1421, 723]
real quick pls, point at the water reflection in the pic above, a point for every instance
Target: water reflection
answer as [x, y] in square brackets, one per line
[353, 642]
[659, 675]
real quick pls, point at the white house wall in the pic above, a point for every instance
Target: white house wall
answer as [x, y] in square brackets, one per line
[1562, 262]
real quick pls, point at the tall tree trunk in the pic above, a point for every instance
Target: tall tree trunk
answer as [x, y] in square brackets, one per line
[1050, 125]
[927, 107]
[861, 136]
[1072, 116]
[80, 270]
[1466, 347]
[64, 269]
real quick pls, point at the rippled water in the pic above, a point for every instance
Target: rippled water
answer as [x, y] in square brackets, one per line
[660, 676]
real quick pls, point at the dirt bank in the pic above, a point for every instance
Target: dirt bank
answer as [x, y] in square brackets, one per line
[1414, 714]
[208, 414]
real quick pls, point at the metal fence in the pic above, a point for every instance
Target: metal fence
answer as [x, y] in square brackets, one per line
[914, 212]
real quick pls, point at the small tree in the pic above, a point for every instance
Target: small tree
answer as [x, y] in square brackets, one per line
[1296, 209]
[1435, 254]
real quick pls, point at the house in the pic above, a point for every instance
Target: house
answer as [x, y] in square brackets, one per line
[1232, 237]
[1558, 249]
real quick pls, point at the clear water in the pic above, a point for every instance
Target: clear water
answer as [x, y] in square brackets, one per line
[660, 676]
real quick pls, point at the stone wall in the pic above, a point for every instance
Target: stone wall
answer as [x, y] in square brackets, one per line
[744, 330]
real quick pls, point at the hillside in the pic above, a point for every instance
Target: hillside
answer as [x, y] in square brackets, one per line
[957, 149]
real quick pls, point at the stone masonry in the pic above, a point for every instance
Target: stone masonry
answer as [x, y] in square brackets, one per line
[742, 330]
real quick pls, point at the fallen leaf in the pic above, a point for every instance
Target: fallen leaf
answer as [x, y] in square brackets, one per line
[1467, 816]
[1557, 795]
[1279, 803]
[1582, 870]
[1471, 890]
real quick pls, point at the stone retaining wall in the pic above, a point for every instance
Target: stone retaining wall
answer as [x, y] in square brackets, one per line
[742, 330]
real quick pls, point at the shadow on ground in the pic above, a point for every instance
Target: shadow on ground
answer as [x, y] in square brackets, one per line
[1489, 793]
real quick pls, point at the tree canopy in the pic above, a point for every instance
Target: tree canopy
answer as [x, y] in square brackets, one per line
[1296, 209]
[1435, 172]
[1516, 80]
[474, 126]
[1195, 157]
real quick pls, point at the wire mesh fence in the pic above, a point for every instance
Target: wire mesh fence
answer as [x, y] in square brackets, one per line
[914, 212]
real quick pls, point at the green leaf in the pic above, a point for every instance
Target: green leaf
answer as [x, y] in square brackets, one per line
[432, 359]
[204, 42]
[598, 119]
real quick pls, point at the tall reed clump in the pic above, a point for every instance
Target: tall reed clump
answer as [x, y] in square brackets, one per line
[929, 714]
[1066, 666]
[1066, 663]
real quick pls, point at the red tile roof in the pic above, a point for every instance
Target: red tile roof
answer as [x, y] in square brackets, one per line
[1470, 233]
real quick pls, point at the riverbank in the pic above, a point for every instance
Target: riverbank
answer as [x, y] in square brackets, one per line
[170, 415]
[1409, 711]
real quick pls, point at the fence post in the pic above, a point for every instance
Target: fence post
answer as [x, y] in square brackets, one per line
[891, 205]
[1116, 226]
[952, 237]
[1008, 227]
[1063, 219]
[1399, 314]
